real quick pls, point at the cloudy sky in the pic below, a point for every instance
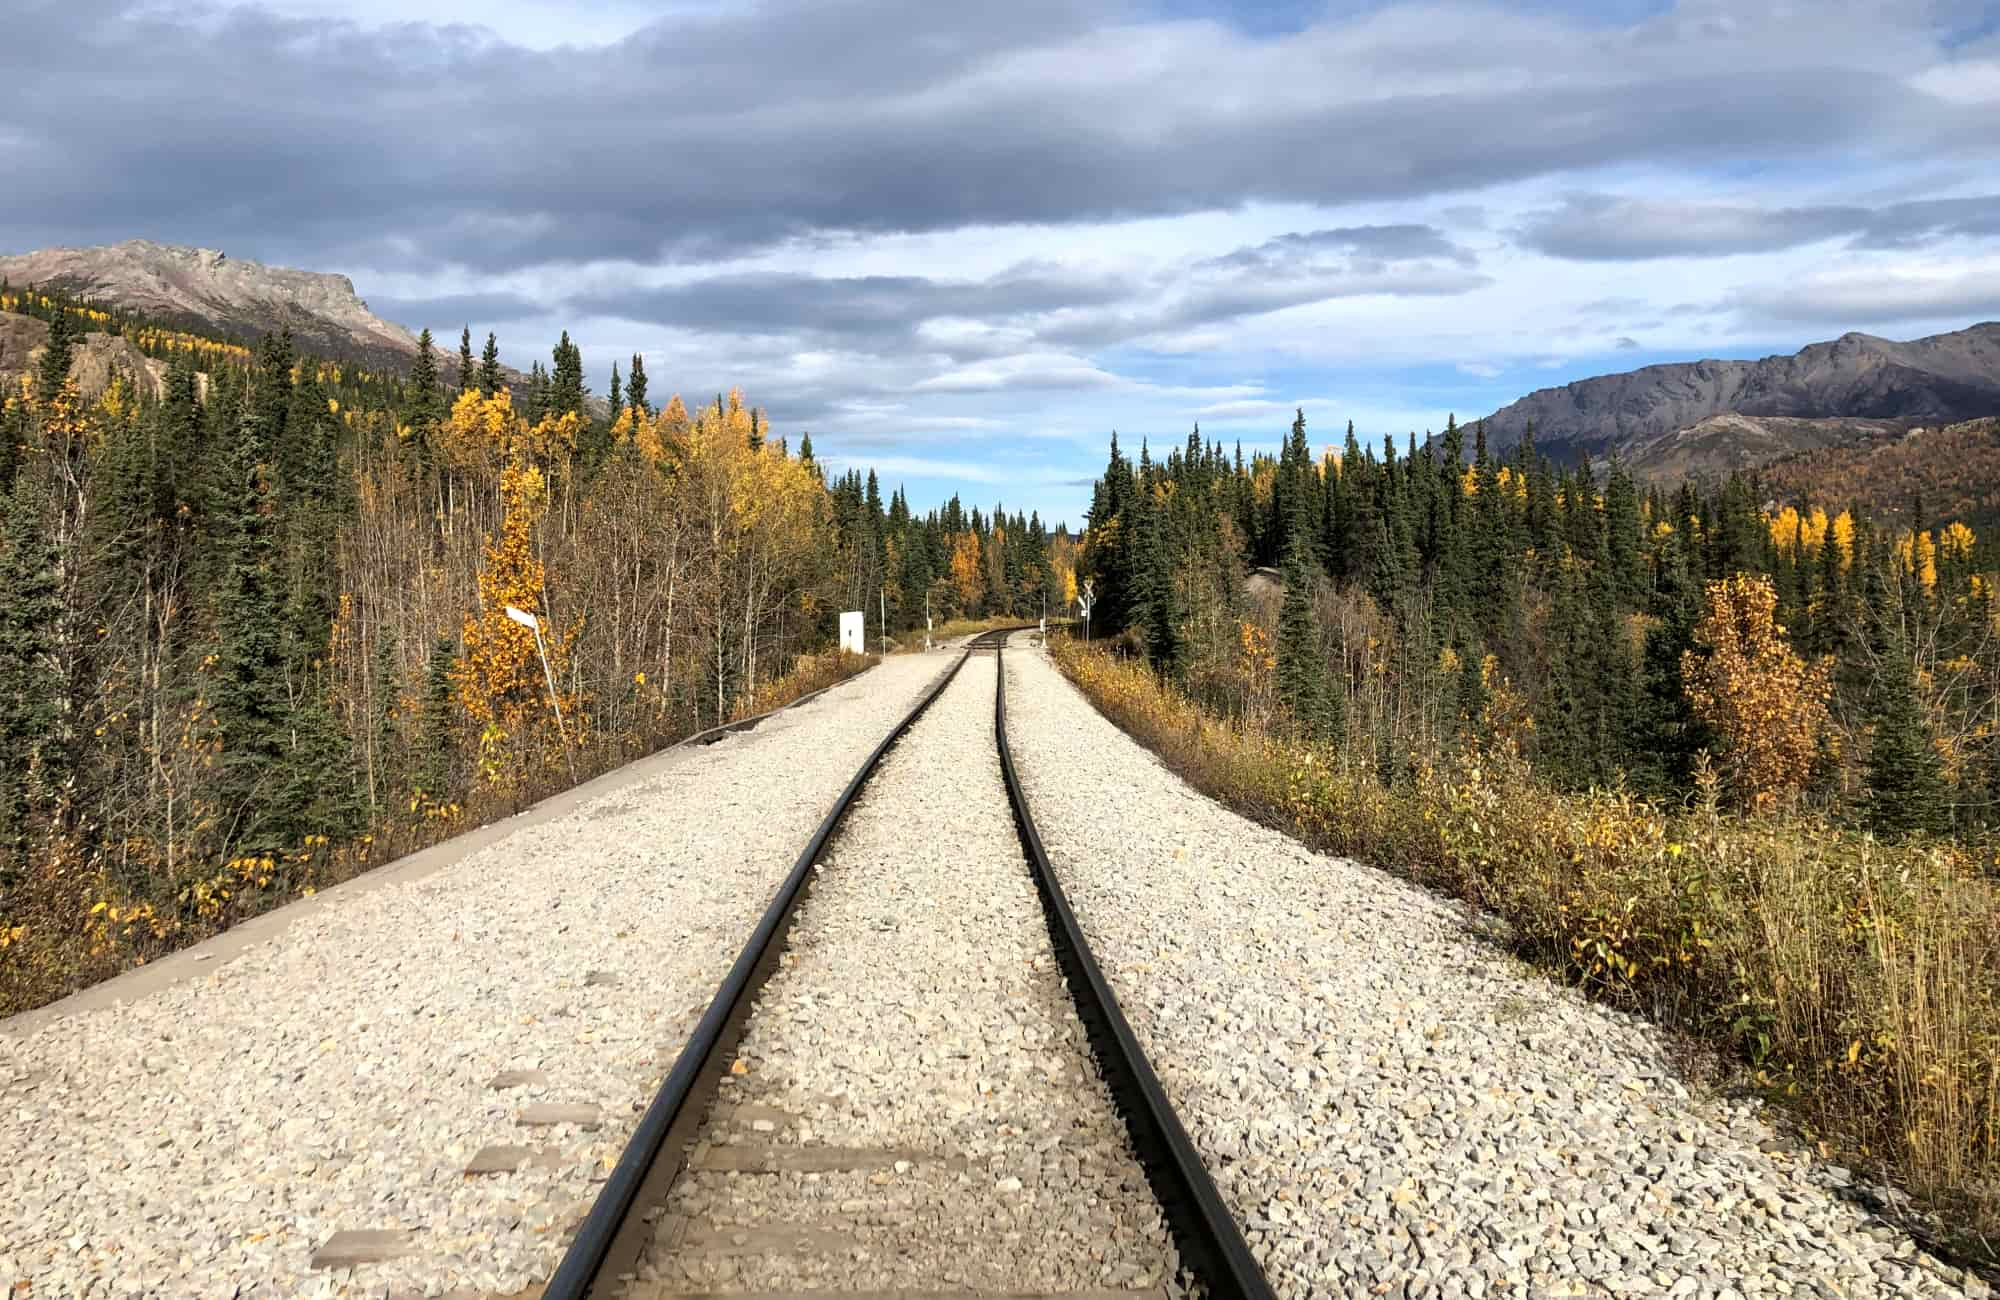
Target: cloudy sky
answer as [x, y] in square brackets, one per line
[962, 242]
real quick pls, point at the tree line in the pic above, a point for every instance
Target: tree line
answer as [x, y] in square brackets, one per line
[256, 629]
[1418, 602]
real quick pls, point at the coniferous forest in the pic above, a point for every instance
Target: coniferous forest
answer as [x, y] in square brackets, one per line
[256, 636]
[1721, 756]
[1810, 654]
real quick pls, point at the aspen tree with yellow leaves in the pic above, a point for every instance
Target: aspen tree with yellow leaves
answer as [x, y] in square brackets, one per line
[1766, 703]
[500, 677]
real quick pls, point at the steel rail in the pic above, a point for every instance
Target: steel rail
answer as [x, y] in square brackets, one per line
[577, 1274]
[1204, 1231]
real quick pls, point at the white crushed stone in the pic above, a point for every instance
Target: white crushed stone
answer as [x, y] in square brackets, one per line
[1387, 1102]
[207, 1139]
[919, 1019]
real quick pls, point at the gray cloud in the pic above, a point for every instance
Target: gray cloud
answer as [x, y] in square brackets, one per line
[709, 133]
[1625, 344]
[1373, 244]
[478, 310]
[1875, 298]
[1010, 312]
[852, 306]
[1602, 228]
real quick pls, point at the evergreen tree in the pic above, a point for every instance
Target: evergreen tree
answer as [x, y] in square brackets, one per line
[56, 357]
[489, 367]
[13, 441]
[1906, 791]
[439, 741]
[1165, 644]
[1623, 537]
[465, 372]
[565, 379]
[424, 383]
[320, 792]
[1469, 695]
[635, 388]
[251, 708]
[1302, 683]
[1668, 735]
[30, 682]
[617, 398]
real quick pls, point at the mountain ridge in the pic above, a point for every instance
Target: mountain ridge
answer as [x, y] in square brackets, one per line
[209, 291]
[1938, 379]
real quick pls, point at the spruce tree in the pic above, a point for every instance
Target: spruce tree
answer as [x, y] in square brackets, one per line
[465, 380]
[617, 398]
[1166, 645]
[439, 741]
[565, 379]
[251, 707]
[1669, 735]
[1469, 696]
[1316, 708]
[489, 367]
[635, 388]
[56, 357]
[1906, 791]
[321, 794]
[423, 401]
[30, 684]
[13, 442]
[1623, 537]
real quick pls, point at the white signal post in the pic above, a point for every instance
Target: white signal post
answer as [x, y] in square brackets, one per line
[1084, 601]
[533, 624]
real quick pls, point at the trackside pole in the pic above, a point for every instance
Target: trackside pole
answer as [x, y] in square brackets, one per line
[533, 624]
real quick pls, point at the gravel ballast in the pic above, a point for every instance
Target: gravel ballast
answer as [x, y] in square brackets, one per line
[327, 1091]
[914, 1106]
[1389, 1103]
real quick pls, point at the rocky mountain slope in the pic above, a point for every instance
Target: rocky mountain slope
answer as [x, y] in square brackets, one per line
[1855, 378]
[98, 357]
[1722, 443]
[212, 293]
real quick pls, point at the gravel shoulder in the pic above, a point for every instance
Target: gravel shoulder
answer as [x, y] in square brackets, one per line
[1392, 1105]
[513, 1010]
[915, 1106]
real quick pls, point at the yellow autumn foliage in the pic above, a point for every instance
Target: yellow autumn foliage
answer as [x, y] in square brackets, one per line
[499, 676]
[1766, 704]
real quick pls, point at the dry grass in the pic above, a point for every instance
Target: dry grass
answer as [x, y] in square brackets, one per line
[1856, 982]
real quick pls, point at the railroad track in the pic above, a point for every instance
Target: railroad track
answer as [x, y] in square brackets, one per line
[717, 1182]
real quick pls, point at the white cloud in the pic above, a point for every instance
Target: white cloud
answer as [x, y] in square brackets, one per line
[1972, 81]
[1908, 291]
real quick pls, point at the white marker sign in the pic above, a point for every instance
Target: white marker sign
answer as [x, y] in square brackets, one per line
[852, 637]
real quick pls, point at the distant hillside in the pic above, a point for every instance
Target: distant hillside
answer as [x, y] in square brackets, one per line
[1943, 379]
[98, 357]
[211, 293]
[1949, 473]
[1721, 444]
